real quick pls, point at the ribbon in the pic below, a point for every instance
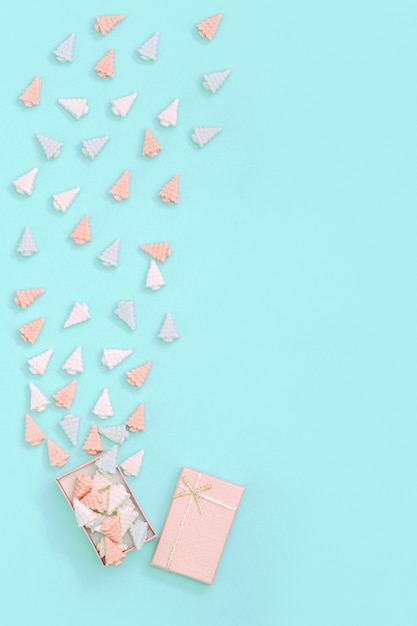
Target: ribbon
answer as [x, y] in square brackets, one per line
[195, 492]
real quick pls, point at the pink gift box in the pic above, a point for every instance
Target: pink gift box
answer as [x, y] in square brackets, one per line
[197, 525]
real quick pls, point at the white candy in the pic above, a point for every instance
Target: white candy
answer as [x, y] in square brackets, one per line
[122, 106]
[168, 330]
[131, 466]
[111, 358]
[154, 278]
[76, 106]
[39, 364]
[74, 363]
[51, 147]
[92, 147]
[149, 49]
[203, 135]
[168, 117]
[65, 50]
[70, 425]
[63, 200]
[38, 400]
[110, 256]
[127, 515]
[108, 461]
[27, 244]
[103, 407]
[139, 530]
[117, 496]
[83, 514]
[25, 183]
[78, 315]
[117, 434]
[125, 310]
[212, 82]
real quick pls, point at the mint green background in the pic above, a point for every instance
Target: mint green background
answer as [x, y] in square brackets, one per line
[293, 284]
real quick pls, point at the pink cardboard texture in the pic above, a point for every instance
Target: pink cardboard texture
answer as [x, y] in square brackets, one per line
[197, 525]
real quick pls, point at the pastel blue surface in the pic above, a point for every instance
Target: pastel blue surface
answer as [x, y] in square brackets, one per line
[292, 282]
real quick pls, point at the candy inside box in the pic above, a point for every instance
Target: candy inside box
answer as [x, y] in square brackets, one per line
[66, 484]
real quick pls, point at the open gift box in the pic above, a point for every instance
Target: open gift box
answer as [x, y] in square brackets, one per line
[66, 484]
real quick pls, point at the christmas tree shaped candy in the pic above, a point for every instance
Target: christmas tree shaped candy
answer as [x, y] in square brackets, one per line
[82, 233]
[78, 107]
[30, 331]
[149, 49]
[93, 500]
[64, 397]
[125, 310]
[70, 425]
[74, 363]
[39, 364]
[25, 297]
[93, 444]
[105, 23]
[137, 376]
[110, 527]
[25, 183]
[31, 95]
[120, 189]
[57, 456]
[117, 496]
[92, 147]
[168, 117]
[168, 332]
[202, 135]
[65, 51]
[159, 251]
[151, 146]
[138, 531]
[33, 434]
[103, 407]
[105, 67]
[127, 515]
[136, 421]
[212, 82]
[114, 555]
[110, 256]
[108, 461]
[111, 358]
[83, 485]
[170, 191]
[27, 244]
[63, 200]
[154, 278]
[101, 480]
[38, 400]
[83, 514]
[122, 106]
[131, 466]
[208, 27]
[51, 147]
[78, 314]
[117, 434]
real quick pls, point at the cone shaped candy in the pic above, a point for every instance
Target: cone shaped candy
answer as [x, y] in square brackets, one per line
[101, 481]
[170, 191]
[105, 23]
[110, 527]
[208, 27]
[111, 358]
[51, 147]
[83, 485]
[120, 189]
[149, 49]
[25, 183]
[93, 444]
[203, 135]
[63, 200]
[30, 332]
[65, 50]
[103, 407]
[151, 147]
[212, 82]
[96, 522]
[168, 117]
[132, 465]
[117, 496]
[159, 251]
[76, 106]
[39, 364]
[136, 421]
[57, 456]
[125, 310]
[108, 461]
[168, 330]
[127, 515]
[105, 67]
[31, 95]
[93, 500]
[92, 147]
[154, 278]
[70, 425]
[114, 555]
[81, 233]
[138, 531]
[38, 400]
[121, 106]
[117, 434]
[137, 376]
[33, 433]
[74, 363]
[25, 297]
[27, 244]
[78, 314]
[83, 514]
[64, 397]
[110, 256]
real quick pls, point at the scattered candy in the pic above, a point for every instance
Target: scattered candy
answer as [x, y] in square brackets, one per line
[83, 485]
[120, 189]
[81, 233]
[51, 147]
[170, 191]
[76, 106]
[138, 531]
[159, 251]
[137, 376]
[117, 496]
[103, 407]
[105, 67]
[93, 500]
[38, 400]
[93, 444]
[105, 23]
[111, 527]
[27, 244]
[30, 331]
[70, 425]
[151, 146]
[127, 515]
[208, 27]
[57, 456]
[83, 514]
[114, 555]
[168, 332]
[63, 200]
[39, 364]
[202, 135]
[78, 315]
[64, 397]
[65, 51]
[31, 95]
[168, 117]
[131, 466]
[25, 297]
[111, 358]
[122, 106]
[108, 461]
[149, 49]
[125, 310]
[154, 278]
[117, 434]
[92, 147]
[212, 82]
[136, 421]
[74, 363]
[25, 183]
[110, 256]
[33, 434]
